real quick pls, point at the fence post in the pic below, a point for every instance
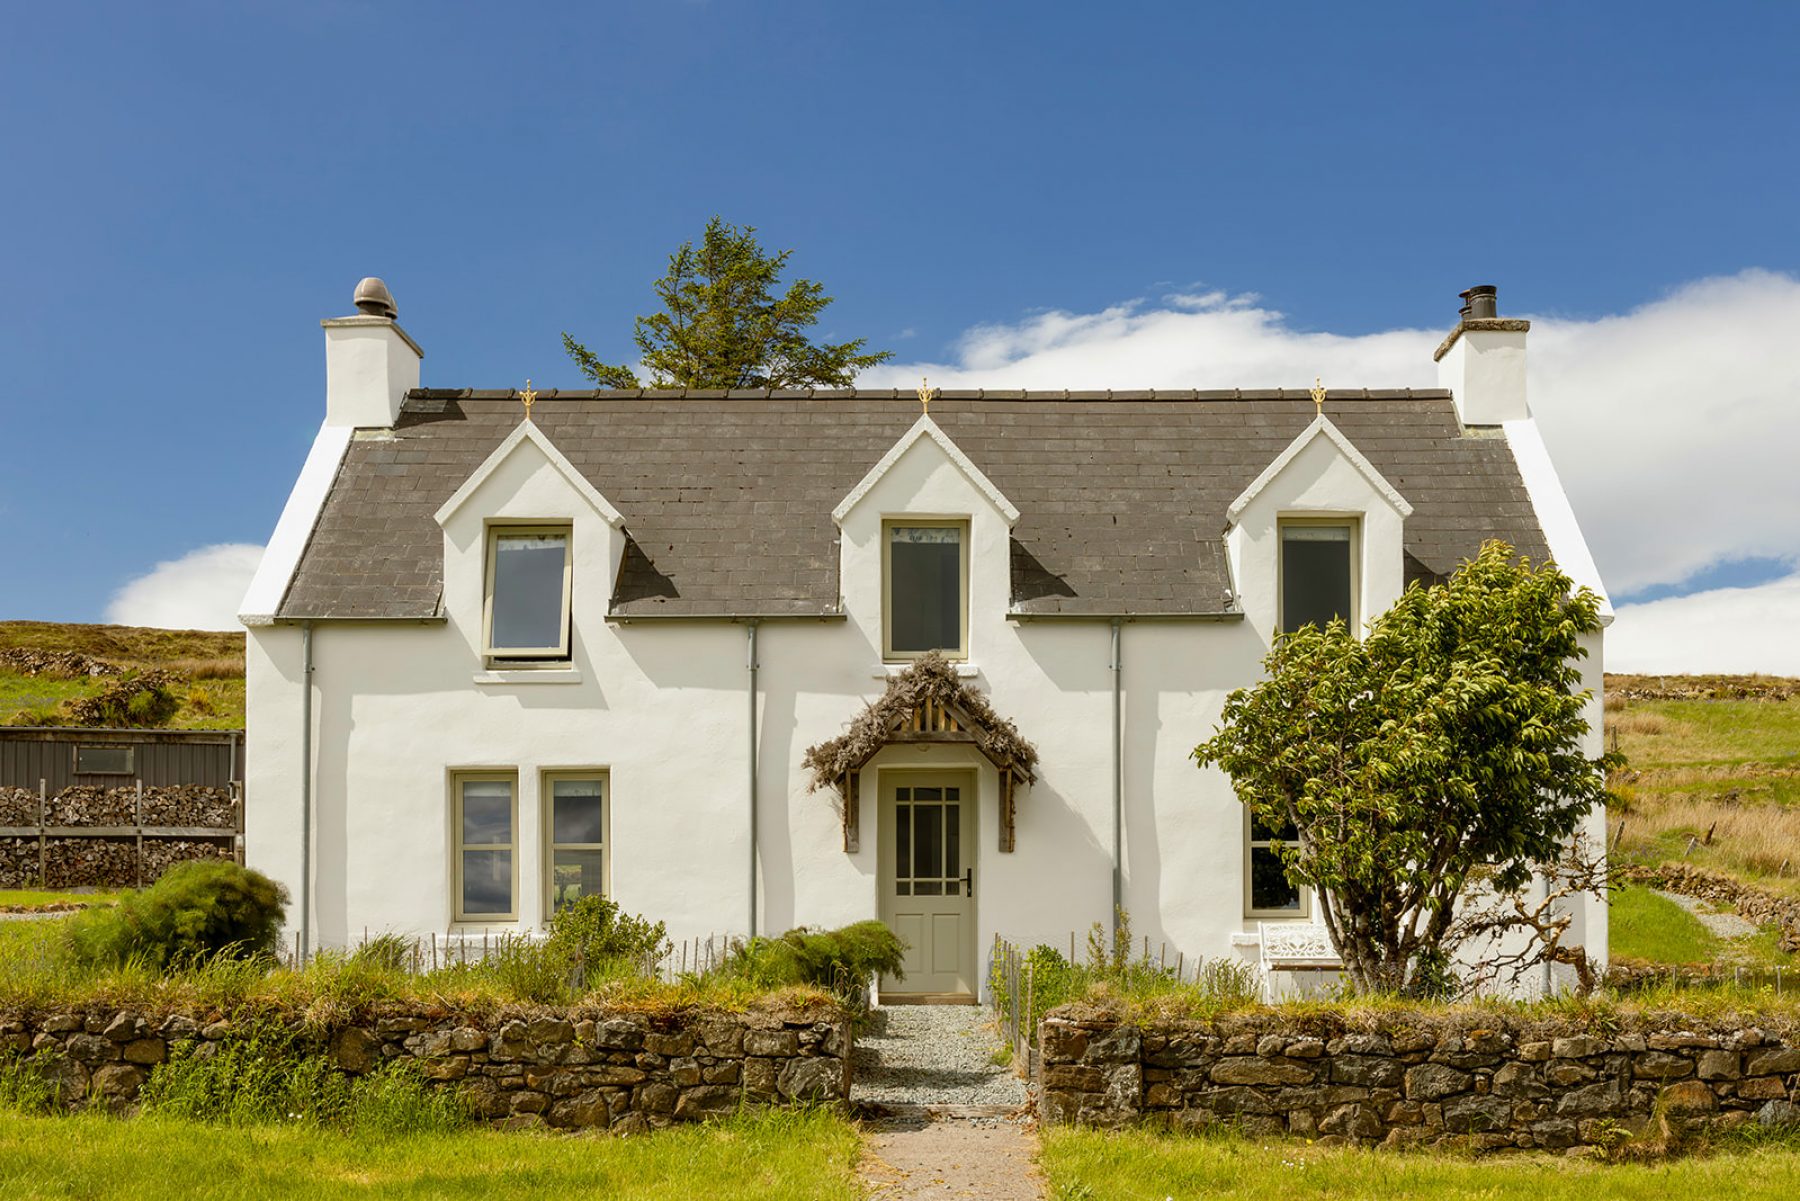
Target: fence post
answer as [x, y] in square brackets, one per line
[43, 860]
[137, 823]
[1030, 1013]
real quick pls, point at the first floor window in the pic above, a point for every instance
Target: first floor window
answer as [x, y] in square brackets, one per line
[486, 827]
[926, 598]
[577, 827]
[1271, 893]
[527, 612]
[1317, 576]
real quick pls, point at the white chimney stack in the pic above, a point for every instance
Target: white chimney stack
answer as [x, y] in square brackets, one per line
[370, 363]
[1482, 362]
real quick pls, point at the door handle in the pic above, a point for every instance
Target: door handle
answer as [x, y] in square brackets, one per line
[969, 883]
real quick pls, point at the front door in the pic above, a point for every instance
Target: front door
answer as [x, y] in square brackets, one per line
[928, 881]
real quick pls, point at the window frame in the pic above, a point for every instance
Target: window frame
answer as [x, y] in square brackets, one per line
[457, 846]
[547, 807]
[1251, 845]
[959, 654]
[491, 541]
[130, 768]
[1351, 521]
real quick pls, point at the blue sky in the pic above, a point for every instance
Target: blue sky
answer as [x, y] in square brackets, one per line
[190, 187]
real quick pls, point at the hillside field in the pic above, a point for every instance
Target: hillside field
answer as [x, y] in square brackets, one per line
[207, 666]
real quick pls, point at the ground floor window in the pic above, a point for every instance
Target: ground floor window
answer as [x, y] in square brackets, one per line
[1268, 891]
[576, 824]
[485, 823]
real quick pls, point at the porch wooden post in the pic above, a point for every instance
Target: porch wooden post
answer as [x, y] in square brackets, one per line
[1006, 809]
[852, 812]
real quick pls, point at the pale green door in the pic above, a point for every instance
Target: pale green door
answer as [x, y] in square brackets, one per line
[927, 880]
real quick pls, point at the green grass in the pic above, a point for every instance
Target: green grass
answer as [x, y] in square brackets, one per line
[1646, 926]
[1085, 1165]
[32, 898]
[783, 1156]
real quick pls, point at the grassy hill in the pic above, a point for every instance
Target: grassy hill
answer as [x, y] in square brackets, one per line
[206, 666]
[1713, 780]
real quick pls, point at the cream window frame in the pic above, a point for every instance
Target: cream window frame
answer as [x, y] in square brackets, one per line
[547, 803]
[1251, 845]
[497, 530]
[959, 654]
[458, 846]
[1352, 521]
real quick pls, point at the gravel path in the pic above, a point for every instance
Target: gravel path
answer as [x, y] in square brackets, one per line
[993, 1161]
[1722, 922]
[932, 1055]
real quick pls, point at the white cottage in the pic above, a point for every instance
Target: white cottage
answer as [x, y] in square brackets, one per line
[506, 649]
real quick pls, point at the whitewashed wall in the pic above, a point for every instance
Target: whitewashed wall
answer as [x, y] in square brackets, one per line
[662, 706]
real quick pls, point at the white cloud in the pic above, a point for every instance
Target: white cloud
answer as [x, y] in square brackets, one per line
[1735, 630]
[1670, 425]
[199, 591]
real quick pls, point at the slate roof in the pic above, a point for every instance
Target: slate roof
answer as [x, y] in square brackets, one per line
[727, 497]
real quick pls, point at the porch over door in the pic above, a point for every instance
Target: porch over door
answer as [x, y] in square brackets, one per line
[927, 881]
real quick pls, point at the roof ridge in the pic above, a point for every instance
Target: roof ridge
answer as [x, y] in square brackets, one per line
[966, 394]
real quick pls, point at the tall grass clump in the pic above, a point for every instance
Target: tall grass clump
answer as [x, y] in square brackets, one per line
[270, 1074]
[841, 960]
[197, 911]
[30, 1085]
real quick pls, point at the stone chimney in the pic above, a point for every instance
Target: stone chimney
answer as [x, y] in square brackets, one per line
[370, 363]
[1482, 362]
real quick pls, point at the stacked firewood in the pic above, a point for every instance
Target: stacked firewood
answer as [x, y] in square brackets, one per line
[189, 805]
[160, 854]
[101, 862]
[18, 863]
[18, 806]
[86, 805]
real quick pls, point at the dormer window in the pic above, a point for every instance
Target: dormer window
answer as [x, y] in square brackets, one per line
[1318, 572]
[925, 595]
[527, 611]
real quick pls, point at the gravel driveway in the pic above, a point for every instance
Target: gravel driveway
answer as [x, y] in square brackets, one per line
[932, 1055]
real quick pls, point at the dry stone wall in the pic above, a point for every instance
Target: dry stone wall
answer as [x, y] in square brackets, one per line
[1484, 1085]
[619, 1071]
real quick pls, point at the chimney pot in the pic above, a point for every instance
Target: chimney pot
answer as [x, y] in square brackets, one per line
[1481, 302]
[373, 298]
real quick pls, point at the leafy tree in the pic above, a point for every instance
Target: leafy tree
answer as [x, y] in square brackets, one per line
[724, 326]
[1441, 750]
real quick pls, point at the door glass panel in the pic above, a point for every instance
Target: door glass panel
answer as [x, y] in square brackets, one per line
[928, 842]
[903, 840]
[952, 841]
[928, 888]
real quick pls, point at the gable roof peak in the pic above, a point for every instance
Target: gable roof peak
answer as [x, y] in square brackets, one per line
[527, 431]
[923, 428]
[1321, 427]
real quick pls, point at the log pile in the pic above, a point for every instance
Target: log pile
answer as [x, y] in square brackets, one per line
[86, 805]
[160, 854]
[100, 862]
[18, 863]
[189, 805]
[18, 806]
[1701, 688]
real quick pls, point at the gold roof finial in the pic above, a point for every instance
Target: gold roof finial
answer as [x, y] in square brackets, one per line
[926, 392]
[1318, 395]
[526, 397]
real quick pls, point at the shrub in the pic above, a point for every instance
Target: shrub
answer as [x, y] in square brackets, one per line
[198, 910]
[593, 932]
[30, 1085]
[139, 698]
[841, 960]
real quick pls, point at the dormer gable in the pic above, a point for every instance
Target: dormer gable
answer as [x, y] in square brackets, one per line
[927, 429]
[1320, 428]
[1322, 482]
[527, 432]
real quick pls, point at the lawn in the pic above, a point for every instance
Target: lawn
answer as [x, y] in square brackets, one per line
[1085, 1165]
[24, 899]
[780, 1155]
[1646, 926]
